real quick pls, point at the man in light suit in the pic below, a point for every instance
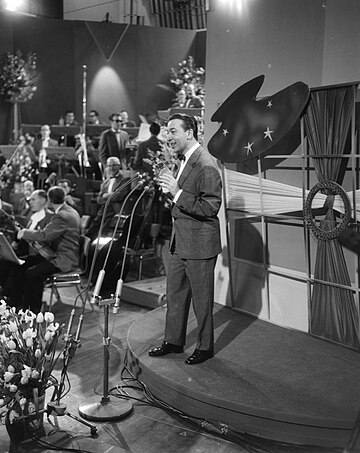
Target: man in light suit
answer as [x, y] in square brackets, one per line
[113, 142]
[194, 244]
[62, 234]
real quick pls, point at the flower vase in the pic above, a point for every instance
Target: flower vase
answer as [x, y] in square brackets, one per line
[30, 425]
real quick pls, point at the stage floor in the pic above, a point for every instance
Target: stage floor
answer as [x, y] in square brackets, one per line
[264, 380]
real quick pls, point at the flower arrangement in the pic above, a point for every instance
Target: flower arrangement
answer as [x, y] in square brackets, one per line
[18, 76]
[186, 72]
[27, 358]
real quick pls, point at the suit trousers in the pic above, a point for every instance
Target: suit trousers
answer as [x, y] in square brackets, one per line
[187, 280]
[25, 283]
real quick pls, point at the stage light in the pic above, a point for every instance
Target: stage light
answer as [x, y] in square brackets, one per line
[14, 5]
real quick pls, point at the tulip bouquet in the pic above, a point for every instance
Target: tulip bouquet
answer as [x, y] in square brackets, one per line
[27, 358]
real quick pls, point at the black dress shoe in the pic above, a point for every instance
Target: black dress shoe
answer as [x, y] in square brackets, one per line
[199, 356]
[166, 348]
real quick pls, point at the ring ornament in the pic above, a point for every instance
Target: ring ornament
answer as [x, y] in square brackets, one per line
[327, 188]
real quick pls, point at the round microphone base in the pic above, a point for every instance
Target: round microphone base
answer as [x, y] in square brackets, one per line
[105, 409]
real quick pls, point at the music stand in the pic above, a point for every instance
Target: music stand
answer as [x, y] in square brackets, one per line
[6, 251]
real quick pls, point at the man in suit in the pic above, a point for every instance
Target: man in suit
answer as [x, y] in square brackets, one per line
[112, 183]
[113, 142]
[125, 122]
[194, 244]
[193, 101]
[153, 144]
[62, 234]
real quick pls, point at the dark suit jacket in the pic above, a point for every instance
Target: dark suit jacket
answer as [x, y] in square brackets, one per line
[108, 145]
[194, 103]
[153, 144]
[196, 225]
[62, 233]
[116, 201]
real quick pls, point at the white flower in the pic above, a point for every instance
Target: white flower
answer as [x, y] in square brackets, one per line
[40, 318]
[8, 376]
[37, 353]
[13, 327]
[11, 369]
[35, 374]
[26, 371]
[22, 403]
[49, 316]
[24, 380]
[51, 329]
[13, 388]
[3, 308]
[29, 317]
[11, 344]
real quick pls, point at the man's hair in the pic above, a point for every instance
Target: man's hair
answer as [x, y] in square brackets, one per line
[56, 195]
[188, 122]
[154, 128]
[41, 193]
[64, 181]
[112, 116]
[95, 112]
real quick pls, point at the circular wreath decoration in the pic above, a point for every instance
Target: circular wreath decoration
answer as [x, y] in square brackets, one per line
[327, 188]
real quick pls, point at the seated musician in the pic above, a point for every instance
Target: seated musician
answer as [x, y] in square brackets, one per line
[112, 183]
[38, 217]
[25, 283]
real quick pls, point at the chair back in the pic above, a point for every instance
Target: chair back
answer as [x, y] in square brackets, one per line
[84, 243]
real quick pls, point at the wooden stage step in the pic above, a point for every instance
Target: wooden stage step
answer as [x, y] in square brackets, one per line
[149, 292]
[264, 380]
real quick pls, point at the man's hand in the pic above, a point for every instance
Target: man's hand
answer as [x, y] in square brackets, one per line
[168, 182]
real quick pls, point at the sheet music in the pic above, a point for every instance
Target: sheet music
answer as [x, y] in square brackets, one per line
[6, 251]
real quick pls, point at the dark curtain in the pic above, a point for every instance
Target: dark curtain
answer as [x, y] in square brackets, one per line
[334, 314]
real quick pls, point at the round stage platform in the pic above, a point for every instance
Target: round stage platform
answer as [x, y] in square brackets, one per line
[264, 380]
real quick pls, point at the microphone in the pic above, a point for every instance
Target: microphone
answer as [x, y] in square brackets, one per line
[117, 295]
[98, 285]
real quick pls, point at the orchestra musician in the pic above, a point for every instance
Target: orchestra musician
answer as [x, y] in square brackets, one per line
[24, 285]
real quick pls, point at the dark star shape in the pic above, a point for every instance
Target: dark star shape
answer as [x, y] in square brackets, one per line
[246, 118]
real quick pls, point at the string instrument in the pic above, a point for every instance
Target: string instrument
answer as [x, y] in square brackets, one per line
[43, 250]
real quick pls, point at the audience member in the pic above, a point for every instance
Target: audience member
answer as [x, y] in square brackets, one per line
[180, 99]
[193, 101]
[145, 148]
[113, 142]
[125, 122]
[25, 283]
[72, 201]
[114, 181]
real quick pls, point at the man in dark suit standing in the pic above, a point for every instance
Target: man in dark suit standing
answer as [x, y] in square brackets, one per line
[145, 148]
[194, 244]
[113, 142]
[62, 234]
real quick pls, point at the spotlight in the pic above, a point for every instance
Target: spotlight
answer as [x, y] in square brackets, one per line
[14, 5]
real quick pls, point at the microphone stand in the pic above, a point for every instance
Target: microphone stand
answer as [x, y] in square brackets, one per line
[73, 342]
[106, 409]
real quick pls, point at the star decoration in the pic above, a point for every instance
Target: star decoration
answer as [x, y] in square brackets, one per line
[269, 104]
[225, 132]
[267, 133]
[248, 148]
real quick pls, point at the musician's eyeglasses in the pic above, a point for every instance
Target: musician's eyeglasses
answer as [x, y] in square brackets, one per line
[117, 121]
